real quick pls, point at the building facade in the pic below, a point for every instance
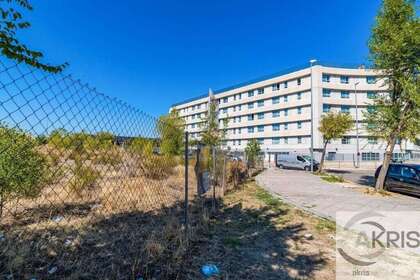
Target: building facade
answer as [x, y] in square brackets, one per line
[276, 111]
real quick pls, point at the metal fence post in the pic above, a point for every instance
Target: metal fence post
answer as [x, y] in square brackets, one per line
[214, 178]
[224, 175]
[186, 185]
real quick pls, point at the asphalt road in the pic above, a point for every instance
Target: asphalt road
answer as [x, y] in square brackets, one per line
[362, 177]
[326, 199]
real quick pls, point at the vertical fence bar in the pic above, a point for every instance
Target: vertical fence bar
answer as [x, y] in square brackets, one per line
[214, 177]
[186, 185]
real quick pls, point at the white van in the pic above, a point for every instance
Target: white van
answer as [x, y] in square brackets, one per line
[295, 161]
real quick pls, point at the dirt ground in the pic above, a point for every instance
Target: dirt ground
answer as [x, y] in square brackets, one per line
[256, 236]
[251, 236]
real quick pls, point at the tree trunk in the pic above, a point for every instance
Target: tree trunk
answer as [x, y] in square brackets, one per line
[380, 181]
[321, 164]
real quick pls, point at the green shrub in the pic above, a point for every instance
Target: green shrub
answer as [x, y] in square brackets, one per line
[141, 146]
[22, 167]
[84, 178]
[157, 166]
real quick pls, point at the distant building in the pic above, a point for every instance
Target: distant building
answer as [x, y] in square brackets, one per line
[276, 110]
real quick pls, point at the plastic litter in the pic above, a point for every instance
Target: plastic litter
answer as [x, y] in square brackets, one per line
[52, 270]
[57, 219]
[209, 270]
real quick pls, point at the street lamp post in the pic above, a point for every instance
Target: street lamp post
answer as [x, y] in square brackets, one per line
[312, 62]
[357, 127]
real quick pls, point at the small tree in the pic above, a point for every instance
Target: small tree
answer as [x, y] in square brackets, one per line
[22, 168]
[11, 22]
[395, 50]
[170, 128]
[212, 135]
[252, 151]
[333, 125]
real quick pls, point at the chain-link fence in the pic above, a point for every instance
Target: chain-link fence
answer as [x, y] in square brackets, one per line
[86, 190]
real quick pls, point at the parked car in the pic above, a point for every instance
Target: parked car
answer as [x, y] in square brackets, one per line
[402, 178]
[295, 161]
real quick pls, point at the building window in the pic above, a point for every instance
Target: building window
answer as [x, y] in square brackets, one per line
[225, 100]
[275, 100]
[345, 109]
[250, 105]
[285, 98]
[370, 156]
[286, 140]
[275, 140]
[275, 87]
[260, 141]
[299, 110]
[239, 119]
[193, 117]
[251, 129]
[239, 142]
[239, 130]
[326, 92]
[370, 79]
[260, 116]
[239, 107]
[371, 109]
[286, 126]
[198, 106]
[276, 114]
[250, 93]
[225, 110]
[299, 81]
[371, 95]
[299, 140]
[372, 140]
[261, 91]
[299, 96]
[345, 94]
[286, 112]
[260, 103]
[344, 79]
[240, 96]
[285, 84]
[260, 128]
[193, 125]
[345, 140]
[326, 78]
[326, 108]
[299, 125]
[276, 127]
[250, 117]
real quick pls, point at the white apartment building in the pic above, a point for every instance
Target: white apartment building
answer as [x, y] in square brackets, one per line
[276, 110]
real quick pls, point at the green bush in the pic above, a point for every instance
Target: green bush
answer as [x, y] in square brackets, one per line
[141, 146]
[84, 178]
[22, 167]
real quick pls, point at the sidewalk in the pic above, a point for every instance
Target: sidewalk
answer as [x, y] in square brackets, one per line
[324, 199]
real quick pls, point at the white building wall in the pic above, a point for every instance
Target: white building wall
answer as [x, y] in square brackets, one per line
[288, 99]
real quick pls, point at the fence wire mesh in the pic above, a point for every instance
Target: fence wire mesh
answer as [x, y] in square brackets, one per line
[85, 191]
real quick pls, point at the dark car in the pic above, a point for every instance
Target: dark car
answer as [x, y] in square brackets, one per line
[402, 178]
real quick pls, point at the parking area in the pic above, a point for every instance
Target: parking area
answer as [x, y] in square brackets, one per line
[325, 199]
[359, 176]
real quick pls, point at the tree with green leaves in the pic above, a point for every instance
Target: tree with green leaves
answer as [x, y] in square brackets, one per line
[252, 150]
[333, 126]
[171, 130]
[395, 52]
[11, 22]
[212, 134]
[23, 170]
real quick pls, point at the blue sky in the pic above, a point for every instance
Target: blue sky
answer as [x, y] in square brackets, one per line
[152, 54]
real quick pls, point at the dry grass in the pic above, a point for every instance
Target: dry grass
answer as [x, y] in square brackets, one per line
[98, 220]
[257, 236]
